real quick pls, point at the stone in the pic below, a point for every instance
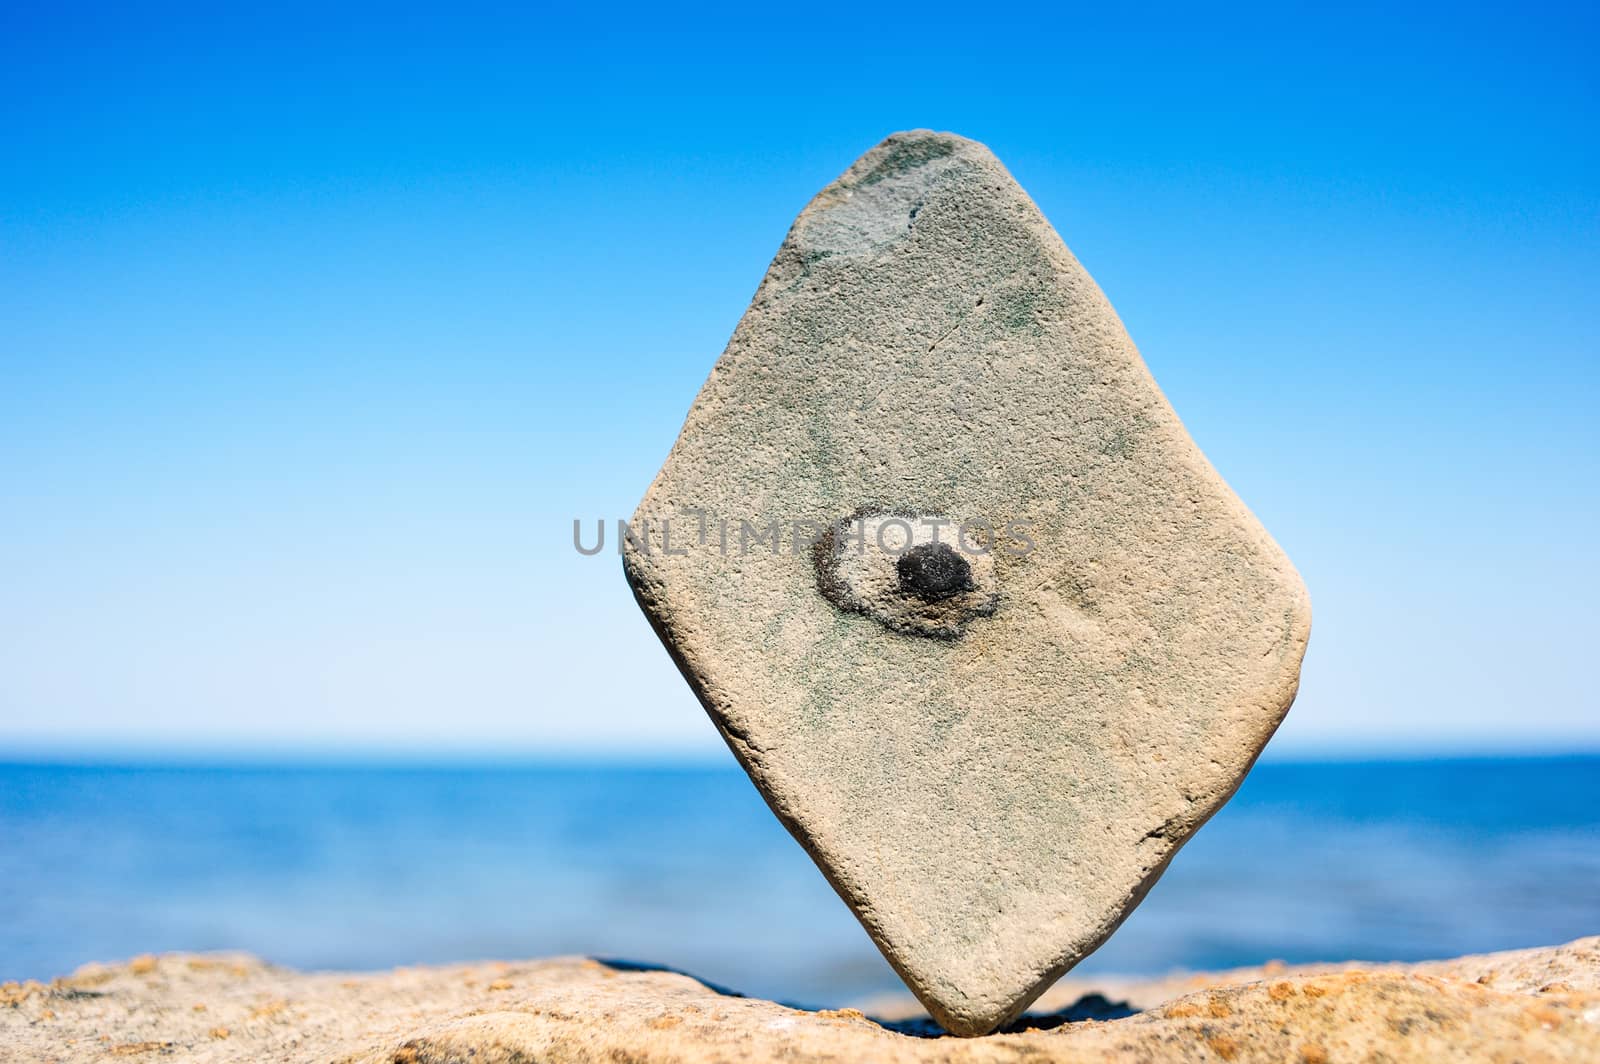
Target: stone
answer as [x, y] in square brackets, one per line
[1531, 1006]
[991, 762]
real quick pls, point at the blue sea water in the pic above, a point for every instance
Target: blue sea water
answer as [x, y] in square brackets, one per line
[367, 867]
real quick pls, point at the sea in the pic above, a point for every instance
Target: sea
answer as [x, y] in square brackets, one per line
[353, 867]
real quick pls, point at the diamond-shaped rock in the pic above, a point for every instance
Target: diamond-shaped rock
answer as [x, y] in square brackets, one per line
[985, 628]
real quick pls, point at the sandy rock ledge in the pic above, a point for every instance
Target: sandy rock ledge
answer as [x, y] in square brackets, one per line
[1529, 1005]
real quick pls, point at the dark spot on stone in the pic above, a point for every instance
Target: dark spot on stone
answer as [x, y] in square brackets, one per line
[929, 591]
[934, 572]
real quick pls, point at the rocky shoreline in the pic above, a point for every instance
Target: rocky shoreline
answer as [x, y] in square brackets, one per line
[1527, 1005]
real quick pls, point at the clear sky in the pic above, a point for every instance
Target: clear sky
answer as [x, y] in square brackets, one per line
[317, 329]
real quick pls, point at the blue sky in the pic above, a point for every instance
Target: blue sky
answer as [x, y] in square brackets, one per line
[318, 327]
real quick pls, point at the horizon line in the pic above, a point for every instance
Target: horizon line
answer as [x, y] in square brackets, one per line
[692, 758]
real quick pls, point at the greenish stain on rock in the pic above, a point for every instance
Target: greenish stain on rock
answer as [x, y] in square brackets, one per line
[1123, 440]
[1120, 444]
[1017, 308]
[907, 156]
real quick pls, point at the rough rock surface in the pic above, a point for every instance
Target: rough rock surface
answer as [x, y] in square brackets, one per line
[1530, 1006]
[992, 767]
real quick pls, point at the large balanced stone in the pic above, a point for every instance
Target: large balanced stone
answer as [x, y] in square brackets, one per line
[987, 631]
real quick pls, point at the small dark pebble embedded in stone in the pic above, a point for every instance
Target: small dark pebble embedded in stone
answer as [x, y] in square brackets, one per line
[934, 572]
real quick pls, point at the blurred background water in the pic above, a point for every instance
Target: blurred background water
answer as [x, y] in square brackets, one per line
[368, 867]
